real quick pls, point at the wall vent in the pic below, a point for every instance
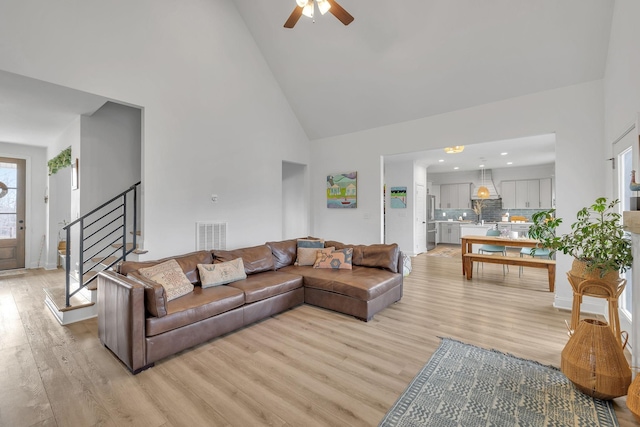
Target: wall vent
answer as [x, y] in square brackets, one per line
[211, 235]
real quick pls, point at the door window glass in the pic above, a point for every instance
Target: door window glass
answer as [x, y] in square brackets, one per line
[8, 198]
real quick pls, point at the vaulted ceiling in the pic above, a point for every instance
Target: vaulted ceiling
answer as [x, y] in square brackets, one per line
[398, 61]
[407, 59]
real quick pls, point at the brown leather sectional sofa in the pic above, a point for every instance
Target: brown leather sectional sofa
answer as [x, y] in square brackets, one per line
[140, 327]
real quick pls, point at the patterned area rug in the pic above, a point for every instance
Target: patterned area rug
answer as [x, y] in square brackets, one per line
[447, 251]
[464, 385]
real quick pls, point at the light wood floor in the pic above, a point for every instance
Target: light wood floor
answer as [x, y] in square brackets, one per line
[304, 367]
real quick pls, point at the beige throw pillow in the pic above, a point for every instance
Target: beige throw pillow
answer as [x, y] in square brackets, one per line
[307, 249]
[170, 276]
[221, 273]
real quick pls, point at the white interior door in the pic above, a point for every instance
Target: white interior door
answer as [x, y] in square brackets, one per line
[421, 219]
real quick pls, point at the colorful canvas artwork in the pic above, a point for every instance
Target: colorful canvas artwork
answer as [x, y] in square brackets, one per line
[342, 190]
[398, 197]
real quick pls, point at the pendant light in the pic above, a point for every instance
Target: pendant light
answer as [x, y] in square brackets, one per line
[483, 192]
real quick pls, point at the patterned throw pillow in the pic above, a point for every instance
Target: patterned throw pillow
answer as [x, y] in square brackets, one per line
[221, 273]
[406, 265]
[340, 259]
[307, 249]
[170, 276]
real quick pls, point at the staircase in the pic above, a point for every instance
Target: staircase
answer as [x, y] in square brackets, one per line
[96, 241]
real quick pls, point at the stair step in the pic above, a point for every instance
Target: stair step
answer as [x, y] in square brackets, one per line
[57, 297]
[129, 246]
[106, 261]
[138, 233]
[86, 276]
[140, 251]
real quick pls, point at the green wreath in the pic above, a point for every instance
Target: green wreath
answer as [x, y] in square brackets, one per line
[60, 161]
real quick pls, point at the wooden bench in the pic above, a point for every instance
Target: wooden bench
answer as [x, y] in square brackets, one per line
[549, 264]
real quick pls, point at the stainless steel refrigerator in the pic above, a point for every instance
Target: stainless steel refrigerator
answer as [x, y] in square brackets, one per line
[431, 222]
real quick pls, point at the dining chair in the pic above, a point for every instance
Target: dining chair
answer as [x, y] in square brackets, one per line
[540, 252]
[493, 249]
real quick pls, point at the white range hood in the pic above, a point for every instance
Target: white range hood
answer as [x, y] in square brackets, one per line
[488, 182]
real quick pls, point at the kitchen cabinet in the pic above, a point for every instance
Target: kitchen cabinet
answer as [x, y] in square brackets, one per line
[526, 194]
[546, 193]
[455, 196]
[506, 228]
[449, 232]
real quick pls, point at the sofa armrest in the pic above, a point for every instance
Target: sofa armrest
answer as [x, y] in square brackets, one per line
[121, 318]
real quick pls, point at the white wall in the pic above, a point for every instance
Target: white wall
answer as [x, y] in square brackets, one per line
[63, 203]
[36, 187]
[110, 160]
[574, 113]
[399, 223]
[622, 108]
[622, 77]
[215, 120]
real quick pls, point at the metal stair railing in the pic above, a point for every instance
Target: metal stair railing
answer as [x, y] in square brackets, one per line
[101, 233]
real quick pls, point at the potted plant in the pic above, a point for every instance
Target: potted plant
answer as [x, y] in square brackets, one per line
[596, 240]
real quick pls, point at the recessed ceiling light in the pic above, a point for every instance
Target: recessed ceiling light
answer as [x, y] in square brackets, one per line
[456, 168]
[481, 166]
[441, 160]
[509, 163]
[504, 154]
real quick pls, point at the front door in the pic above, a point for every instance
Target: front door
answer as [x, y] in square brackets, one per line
[12, 196]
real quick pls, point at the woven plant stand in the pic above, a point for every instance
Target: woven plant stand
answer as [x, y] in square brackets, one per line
[597, 288]
[633, 398]
[594, 361]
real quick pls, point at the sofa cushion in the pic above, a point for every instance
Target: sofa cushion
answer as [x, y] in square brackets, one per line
[188, 262]
[170, 276]
[221, 273]
[267, 284]
[256, 259]
[194, 307]
[284, 252]
[383, 256]
[357, 250]
[155, 300]
[307, 250]
[362, 283]
[336, 259]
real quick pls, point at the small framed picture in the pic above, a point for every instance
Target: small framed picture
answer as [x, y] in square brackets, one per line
[74, 175]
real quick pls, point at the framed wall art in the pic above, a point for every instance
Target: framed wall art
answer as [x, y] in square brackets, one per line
[342, 190]
[398, 197]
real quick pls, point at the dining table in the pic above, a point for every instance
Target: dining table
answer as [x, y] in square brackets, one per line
[519, 242]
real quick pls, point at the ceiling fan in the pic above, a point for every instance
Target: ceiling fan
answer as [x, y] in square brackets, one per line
[307, 7]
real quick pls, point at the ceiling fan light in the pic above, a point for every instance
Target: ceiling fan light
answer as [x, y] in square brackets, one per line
[308, 9]
[454, 150]
[302, 3]
[323, 6]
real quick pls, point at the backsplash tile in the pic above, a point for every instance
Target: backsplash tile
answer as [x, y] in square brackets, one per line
[492, 212]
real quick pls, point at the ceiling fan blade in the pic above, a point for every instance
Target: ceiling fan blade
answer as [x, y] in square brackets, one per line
[339, 12]
[293, 18]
